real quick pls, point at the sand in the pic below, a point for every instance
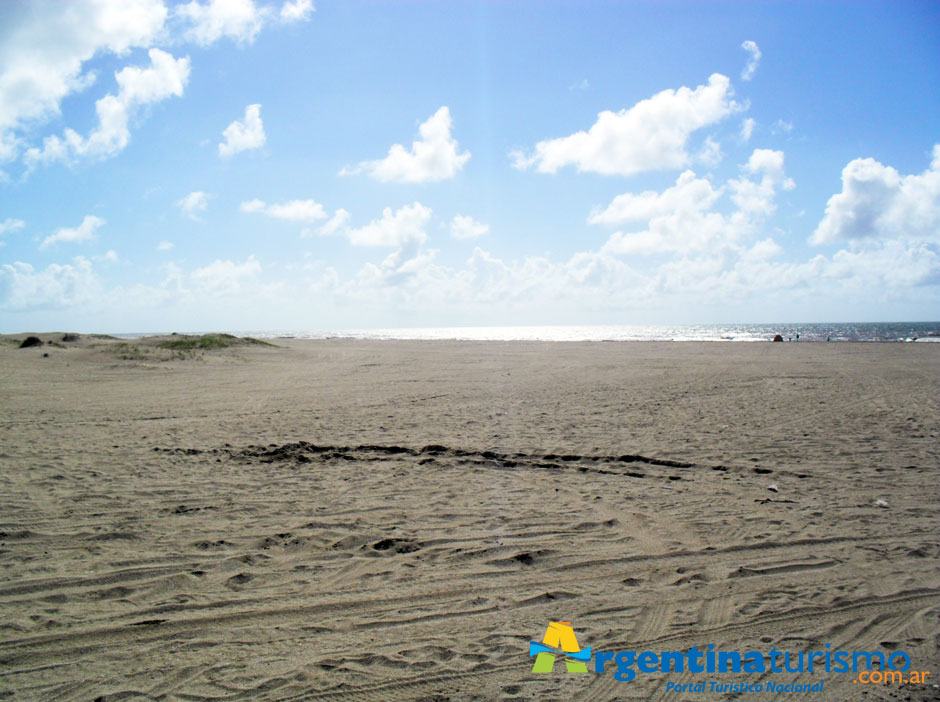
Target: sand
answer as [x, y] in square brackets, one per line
[397, 520]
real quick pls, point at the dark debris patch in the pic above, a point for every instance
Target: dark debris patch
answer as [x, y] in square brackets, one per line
[397, 545]
[300, 453]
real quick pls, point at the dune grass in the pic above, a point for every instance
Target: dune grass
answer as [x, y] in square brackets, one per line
[209, 341]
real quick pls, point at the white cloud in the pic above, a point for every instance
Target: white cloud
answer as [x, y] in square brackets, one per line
[411, 282]
[763, 250]
[781, 126]
[878, 203]
[433, 157]
[83, 232]
[889, 265]
[757, 197]
[645, 242]
[109, 256]
[753, 59]
[225, 277]
[11, 225]
[710, 154]
[43, 47]
[465, 227]
[683, 219]
[10, 146]
[651, 135]
[292, 211]
[194, 203]
[165, 77]
[241, 136]
[689, 194]
[747, 129]
[255, 205]
[404, 226]
[767, 162]
[240, 20]
[296, 11]
[165, 245]
[297, 211]
[337, 223]
[403, 266]
[24, 288]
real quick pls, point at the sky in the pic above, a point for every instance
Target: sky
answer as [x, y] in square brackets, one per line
[238, 165]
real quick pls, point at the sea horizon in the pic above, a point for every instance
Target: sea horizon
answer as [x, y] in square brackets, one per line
[789, 331]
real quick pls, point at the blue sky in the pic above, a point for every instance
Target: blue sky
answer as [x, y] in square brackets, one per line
[257, 166]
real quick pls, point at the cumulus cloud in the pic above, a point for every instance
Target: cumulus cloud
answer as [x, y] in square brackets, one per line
[42, 49]
[405, 281]
[753, 59]
[465, 227]
[336, 224]
[244, 135]
[433, 157]
[689, 194]
[165, 77]
[292, 210]
[225, 277]
[410, 280]
[253, 206]
[10, 146]
[684, 219]
[651, 135]
[403, 266]
[194, 203]
[296, 11]
[878, 203]
[240, 20]
[884, 266]
[11, 225]
[763, 250]
[165, 245]
[404, 226]
[710, 154]
[757, 196]
[22, 287]
[83, 232]
[747, 129]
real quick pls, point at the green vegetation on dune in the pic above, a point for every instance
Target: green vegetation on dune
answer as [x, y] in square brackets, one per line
[210, 341]
[154, 348]
[179, 346]
[132, 352]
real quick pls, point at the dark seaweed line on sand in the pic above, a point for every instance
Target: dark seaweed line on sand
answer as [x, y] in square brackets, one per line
[301, 450]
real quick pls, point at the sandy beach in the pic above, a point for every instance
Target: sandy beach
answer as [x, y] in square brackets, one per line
[397, 520]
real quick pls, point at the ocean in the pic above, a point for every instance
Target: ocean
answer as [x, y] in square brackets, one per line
[834, 331]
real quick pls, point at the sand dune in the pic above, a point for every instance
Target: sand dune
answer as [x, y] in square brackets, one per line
[397, 520]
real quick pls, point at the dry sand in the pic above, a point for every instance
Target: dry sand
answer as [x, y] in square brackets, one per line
[266, 523]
